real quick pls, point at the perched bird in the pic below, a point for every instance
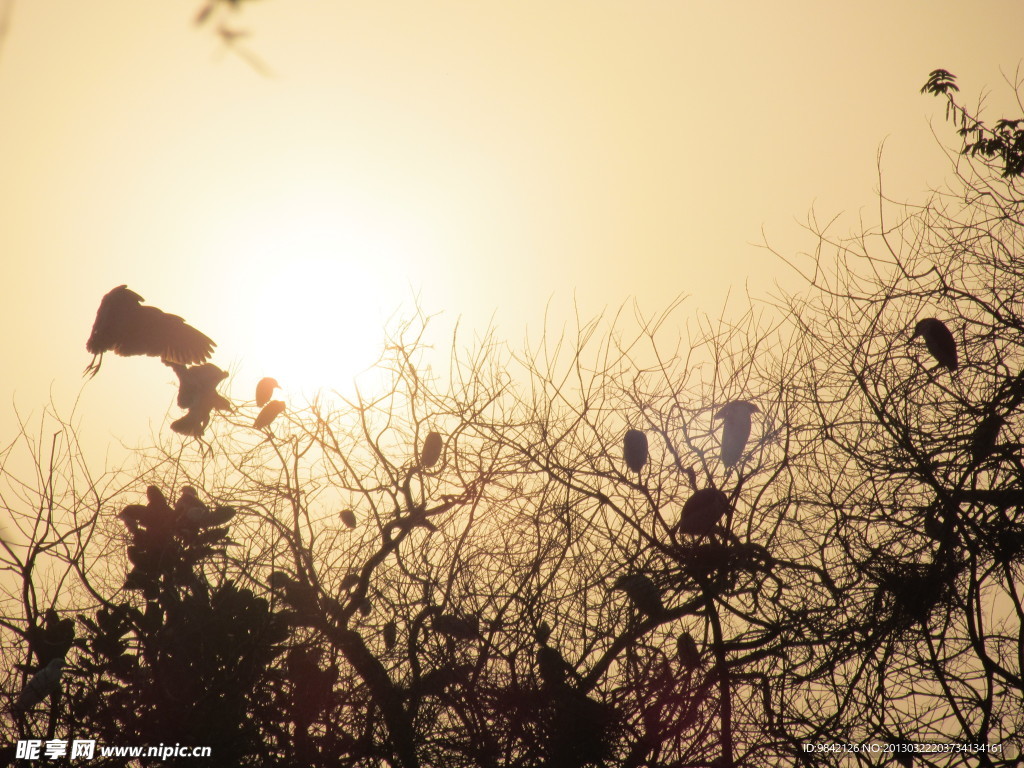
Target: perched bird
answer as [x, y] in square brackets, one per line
[156, 514]
[983, 441]
[197, 392]
[390, 635]
[686, 648]
[702, 511]
[192, 510]
[939, 340]
[52, 638]
[642, 592]
[554, 670]
[189, 501]
[42, 684]
[542, 632]
[270, 411]
[634, 449]
[431, 450]
[736, 429]
[264, 390]
[123, 326]
[348, 517]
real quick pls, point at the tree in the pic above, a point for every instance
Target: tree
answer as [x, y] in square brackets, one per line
[470, 564]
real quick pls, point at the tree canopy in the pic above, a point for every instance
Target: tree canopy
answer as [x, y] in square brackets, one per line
[563, 555]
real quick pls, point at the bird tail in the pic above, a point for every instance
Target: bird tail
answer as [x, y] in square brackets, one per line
[191, 423]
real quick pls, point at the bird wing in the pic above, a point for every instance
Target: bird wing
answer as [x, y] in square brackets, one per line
[735, 433]
[114, 313]
[151, 331]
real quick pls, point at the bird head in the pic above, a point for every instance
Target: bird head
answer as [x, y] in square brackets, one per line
[735, 408]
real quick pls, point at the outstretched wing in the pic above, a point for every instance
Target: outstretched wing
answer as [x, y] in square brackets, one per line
[151, 331]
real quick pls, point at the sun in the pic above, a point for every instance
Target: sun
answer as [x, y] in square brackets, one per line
[310, 301]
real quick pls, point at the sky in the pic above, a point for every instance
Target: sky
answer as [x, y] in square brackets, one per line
[488, 160]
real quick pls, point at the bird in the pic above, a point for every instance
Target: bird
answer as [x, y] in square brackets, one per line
[736, 430]
[156, 514]
[686, 648]
[197, 392]
[188, 502]
[983, 441]
[42, 684]
[642, 592]
[542, 632]
[554, 669]
[431, 450]
[634, 449]
[264, 390]
[390, 635]
[348, 517]
[270, 411]
[194, 511]
[125, 327]
[702, 511]
[939, 340]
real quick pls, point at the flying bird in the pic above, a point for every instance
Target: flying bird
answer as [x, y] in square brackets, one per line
[736, 429]
[702, 511]
[125, 327]
[265, 390]
[197, 392]
[270, 411]
[634, 449]
[641, 591]
[431, 451]
[939, 340]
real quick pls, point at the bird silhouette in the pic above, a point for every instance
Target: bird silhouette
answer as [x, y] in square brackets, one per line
[736, 430]
[554, 669]
[686, 648]
[390, 635]
[634, 449]
[939, 340]
[197, 392]
[264, 390]
[125, 327]
[270, 411]
[983, 441]
[641, 592]
[702, 511]
[431, 451]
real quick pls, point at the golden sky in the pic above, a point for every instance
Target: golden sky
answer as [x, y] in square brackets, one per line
[487, 157]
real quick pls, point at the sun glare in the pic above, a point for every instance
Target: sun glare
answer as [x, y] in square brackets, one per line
[312, 301]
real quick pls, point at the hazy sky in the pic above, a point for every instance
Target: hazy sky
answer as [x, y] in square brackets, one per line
[484, 156]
